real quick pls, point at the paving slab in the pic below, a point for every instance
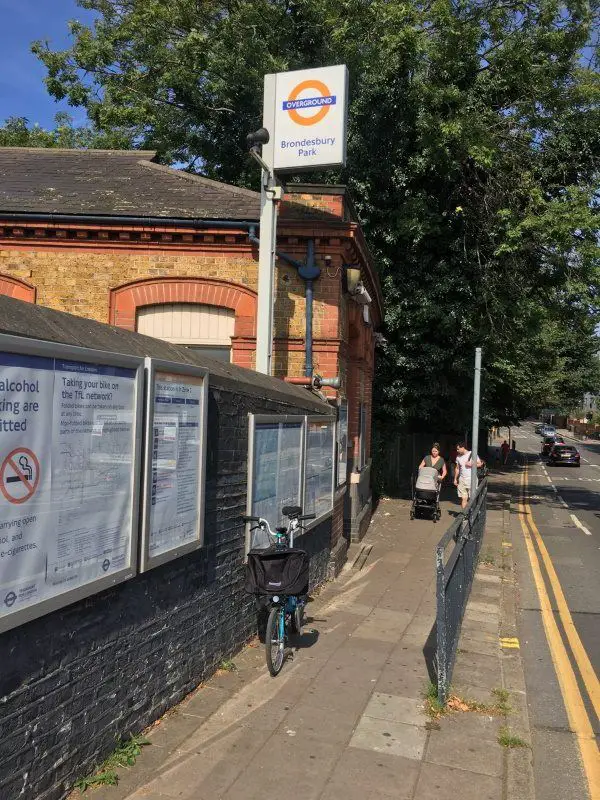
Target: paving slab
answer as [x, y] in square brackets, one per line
[394, 708]
[453, 748]
[442, 783]
[394, 738]
[368, 771]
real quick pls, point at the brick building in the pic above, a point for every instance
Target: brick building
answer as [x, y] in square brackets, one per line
[114, 236]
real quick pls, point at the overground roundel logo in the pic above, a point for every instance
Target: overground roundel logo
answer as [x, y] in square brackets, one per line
[321, 101]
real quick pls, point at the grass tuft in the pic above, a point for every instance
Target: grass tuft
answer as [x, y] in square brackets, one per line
[228, 665]
[508, 739]
[433, 707]
[502, 700]
[124, 755]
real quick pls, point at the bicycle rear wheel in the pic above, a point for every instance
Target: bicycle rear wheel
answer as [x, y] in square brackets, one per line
[275, 640]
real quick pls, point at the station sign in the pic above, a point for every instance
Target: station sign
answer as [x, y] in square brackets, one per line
[309, 118]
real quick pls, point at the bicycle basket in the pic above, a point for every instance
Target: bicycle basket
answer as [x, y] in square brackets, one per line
[276, 571]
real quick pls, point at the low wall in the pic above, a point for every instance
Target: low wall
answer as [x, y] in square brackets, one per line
[75, 681]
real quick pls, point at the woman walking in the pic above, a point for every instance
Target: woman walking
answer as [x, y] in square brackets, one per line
[435, 460]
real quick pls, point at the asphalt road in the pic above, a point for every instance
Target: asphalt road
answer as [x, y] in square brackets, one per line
[564, 505]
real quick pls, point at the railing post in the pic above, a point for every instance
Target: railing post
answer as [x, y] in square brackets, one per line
[442, 644]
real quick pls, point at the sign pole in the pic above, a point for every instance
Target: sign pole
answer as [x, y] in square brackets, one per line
[475, 426]
[268, 239]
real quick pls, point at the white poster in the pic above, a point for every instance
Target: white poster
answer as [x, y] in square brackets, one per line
[66, 462]
[310, 118]
[176, 465]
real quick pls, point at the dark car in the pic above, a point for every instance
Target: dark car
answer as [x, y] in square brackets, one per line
[563, 454]
[549, 442]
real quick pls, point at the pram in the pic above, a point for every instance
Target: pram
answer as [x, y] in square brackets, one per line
[426, 494]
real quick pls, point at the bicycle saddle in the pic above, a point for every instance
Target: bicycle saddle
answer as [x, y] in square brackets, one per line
[291, 511]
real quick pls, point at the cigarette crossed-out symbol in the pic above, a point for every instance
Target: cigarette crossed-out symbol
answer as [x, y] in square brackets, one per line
[19, 475]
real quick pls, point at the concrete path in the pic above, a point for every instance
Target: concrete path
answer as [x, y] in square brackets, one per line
[346, 718]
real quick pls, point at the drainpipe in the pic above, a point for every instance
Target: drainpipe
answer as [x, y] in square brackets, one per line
[309, 272]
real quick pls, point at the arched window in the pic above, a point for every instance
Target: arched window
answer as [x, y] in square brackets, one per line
[202, 327]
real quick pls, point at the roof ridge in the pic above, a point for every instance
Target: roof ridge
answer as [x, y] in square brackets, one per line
[189, 176]
[143, 154]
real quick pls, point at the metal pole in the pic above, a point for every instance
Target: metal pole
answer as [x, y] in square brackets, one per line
[268, 238]
[475, 425]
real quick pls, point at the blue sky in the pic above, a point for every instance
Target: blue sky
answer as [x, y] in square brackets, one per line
[22, 89]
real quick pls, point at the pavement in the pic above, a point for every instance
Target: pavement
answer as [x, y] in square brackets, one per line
[347, 717]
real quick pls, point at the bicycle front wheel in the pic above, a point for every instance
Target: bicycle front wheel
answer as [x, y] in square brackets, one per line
[275, 640]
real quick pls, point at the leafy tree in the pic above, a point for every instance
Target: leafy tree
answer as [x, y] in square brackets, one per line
[18, 132]
[473, 154]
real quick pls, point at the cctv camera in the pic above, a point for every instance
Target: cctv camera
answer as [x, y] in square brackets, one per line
[259, 137]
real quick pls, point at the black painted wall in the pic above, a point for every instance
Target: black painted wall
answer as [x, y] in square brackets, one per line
[74, 681]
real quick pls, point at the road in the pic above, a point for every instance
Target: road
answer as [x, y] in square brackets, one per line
[558, 571]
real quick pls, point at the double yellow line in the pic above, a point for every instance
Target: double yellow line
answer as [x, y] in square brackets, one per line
[573, 700]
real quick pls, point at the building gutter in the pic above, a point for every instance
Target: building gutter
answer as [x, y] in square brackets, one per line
[111, 219]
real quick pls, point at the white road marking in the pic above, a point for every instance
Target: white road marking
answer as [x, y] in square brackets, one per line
[562, 502]
[580, 525]
[586, 461]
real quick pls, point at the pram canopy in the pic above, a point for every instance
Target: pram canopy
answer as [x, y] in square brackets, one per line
[427, 479]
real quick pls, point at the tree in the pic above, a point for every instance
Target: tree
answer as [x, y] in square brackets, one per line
[473, 154]
[18, 132]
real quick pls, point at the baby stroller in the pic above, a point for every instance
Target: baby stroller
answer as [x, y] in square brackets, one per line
[426, 494]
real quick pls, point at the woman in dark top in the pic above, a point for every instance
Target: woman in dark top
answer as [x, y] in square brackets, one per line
[435, 460]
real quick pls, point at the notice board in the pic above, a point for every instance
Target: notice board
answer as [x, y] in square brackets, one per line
[175, 461]
[70, 455]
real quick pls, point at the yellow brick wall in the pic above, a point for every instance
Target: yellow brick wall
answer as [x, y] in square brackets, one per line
[78, 280]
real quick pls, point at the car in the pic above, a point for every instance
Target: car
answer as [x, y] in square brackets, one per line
[564, 454]
[547, 430]
[540, 427]
[549, 442]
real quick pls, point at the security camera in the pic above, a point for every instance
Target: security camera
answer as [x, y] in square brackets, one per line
[259, 137]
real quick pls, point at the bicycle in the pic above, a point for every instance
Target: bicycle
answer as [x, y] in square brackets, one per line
[290, 567]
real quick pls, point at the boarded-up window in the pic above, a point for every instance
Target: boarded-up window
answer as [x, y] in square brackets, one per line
[205, 328]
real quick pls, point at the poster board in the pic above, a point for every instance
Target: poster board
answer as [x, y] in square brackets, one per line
[275, 467]
[319, 471]
[174, 461]
[342, 443]
[70, 455]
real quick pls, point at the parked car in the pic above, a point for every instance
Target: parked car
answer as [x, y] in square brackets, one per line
[538, 428]
[563, 454]
[549, 442]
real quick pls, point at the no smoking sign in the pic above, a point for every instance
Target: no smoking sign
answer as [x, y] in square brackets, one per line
[19, 475]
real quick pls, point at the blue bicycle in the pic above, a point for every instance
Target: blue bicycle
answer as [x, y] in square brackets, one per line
[280, 572]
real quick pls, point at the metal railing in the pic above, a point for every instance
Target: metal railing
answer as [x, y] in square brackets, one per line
[454, 580]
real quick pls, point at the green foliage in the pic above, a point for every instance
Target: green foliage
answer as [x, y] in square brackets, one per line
[510, 740]
[17, 132]
[125, 755]
[473, 150]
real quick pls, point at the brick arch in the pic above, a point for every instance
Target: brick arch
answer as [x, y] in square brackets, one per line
[20, 290]
[125, 300]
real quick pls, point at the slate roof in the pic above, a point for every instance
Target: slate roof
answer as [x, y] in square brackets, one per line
[114, 182]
